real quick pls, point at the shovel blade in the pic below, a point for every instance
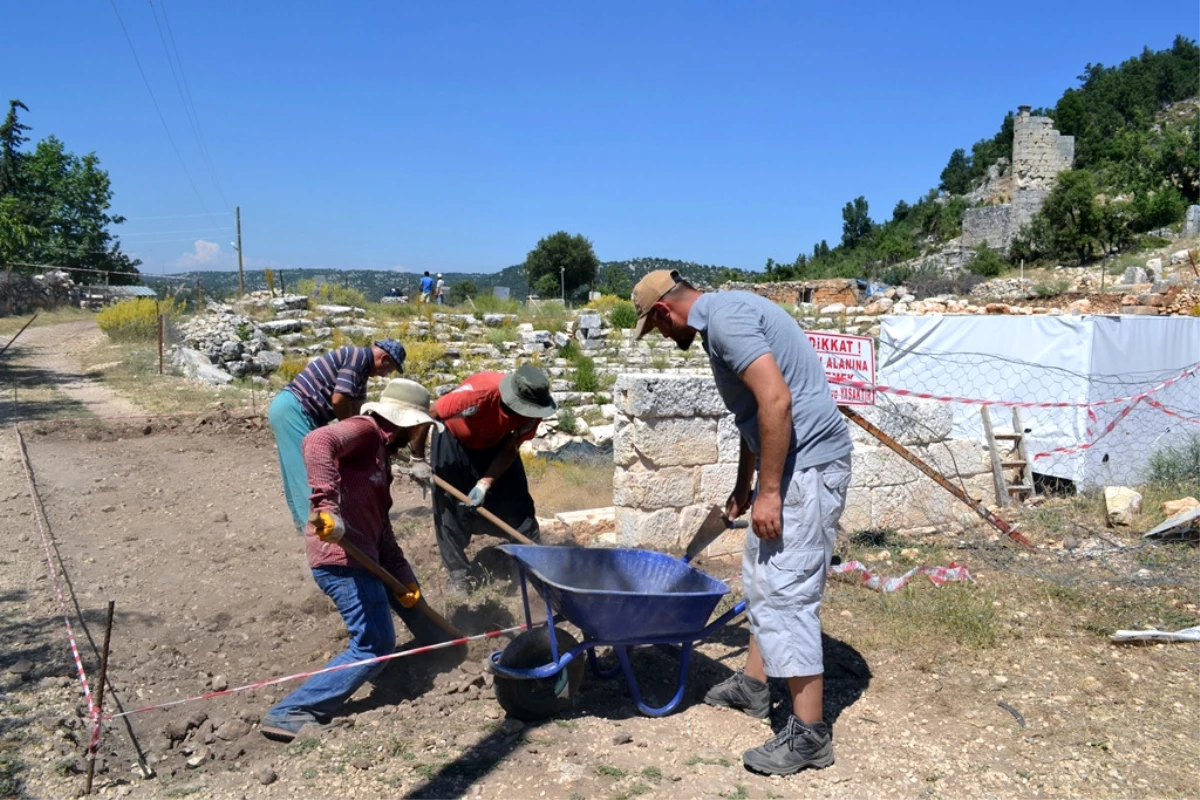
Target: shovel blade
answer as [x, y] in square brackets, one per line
[709, 531]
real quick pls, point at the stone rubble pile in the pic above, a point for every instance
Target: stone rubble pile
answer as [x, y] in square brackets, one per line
[232, 344]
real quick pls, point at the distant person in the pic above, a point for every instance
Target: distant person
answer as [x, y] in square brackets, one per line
[333, 386]
[426, 288]
[793, 436]
[487, 418]
[349, 468]
[394, 291]
[439, 290]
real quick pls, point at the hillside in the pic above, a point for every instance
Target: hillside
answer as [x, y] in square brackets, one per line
[615, 277]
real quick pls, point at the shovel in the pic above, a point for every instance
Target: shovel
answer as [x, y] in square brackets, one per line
[483, 512]
[715, 524]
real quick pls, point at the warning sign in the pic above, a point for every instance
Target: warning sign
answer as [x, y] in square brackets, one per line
[846, 357]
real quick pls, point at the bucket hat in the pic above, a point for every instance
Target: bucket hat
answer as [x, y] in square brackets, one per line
[527, 392]
[404, 403]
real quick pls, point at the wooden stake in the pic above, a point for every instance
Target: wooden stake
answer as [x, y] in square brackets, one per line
[100, 694]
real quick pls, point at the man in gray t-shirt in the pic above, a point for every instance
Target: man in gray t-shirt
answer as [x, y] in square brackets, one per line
[794, 437]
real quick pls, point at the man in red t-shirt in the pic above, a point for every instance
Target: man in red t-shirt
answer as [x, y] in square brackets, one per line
[486, 417]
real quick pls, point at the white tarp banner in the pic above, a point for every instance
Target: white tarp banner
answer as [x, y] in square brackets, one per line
[1056, 359]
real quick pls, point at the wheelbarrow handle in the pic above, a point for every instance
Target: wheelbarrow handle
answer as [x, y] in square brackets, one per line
[481, 511]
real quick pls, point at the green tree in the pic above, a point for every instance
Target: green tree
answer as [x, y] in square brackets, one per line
[856, 222]
[987, 262]
[956, 177]
[1071, 215]
[11, 138]
[56, 206]
[615, 279]
[462, 290]
[561, 262]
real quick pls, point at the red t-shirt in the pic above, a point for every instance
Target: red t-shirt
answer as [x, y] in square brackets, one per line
[474, 414]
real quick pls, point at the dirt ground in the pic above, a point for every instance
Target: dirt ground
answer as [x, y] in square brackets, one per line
[184, 526]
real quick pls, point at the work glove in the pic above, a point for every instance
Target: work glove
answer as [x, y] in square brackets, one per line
[421, 472]
[328, 526]
[410, 597]
[477, 493]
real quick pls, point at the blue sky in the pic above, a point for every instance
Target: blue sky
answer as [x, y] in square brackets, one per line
[452, 136]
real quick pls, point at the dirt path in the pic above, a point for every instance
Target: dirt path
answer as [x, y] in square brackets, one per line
[48, 357]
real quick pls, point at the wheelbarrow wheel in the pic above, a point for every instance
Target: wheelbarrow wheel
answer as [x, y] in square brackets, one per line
[537, 699]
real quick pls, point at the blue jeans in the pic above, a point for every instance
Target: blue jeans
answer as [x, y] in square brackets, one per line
[364, 603]
[290, 425]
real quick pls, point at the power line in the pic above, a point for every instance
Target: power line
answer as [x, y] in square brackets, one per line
[179, 216]
[166, 233]
[189, 106]
[158, 110]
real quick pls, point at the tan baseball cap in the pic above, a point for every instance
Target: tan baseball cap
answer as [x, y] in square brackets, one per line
[649, 290]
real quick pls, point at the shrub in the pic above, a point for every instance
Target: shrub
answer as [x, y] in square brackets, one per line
[584, 379]
[1052, 289]
[605, 303]
[1176, 464]
[488, 303]
[567, 419]
[340, 295]
[987, 262]
[291, 367]
[570, 351]
[423, 360]
[931, 282]
[136, 320]
[623, 315]
[498, 336]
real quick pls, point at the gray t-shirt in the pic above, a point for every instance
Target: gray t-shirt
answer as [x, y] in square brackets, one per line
[739, 327]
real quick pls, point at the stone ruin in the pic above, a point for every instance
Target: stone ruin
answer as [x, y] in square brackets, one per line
[1039, 154]
[675, 449]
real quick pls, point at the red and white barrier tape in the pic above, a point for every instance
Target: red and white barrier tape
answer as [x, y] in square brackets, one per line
[939, 576]
[93, 712]
[299, 675]
[1176, 414]
[978, 401]
[1091, 442]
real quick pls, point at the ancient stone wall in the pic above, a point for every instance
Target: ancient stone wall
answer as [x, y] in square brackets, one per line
[1039, 154]
[820, 292]
[675, 449]
[989, 224]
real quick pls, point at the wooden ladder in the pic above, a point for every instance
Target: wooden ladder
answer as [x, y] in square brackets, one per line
[1017, 458]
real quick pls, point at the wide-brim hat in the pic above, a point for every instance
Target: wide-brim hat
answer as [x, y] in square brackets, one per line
[403, 403]
[527, 392]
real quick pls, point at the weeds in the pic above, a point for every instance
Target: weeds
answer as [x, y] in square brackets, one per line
[633, 791]
[606, 771]
[584, 378]
[964, 613]
[713, 762]
[136, 320]
[739, 792]
[301, 746]
[1179, 464]
[623, 316]
[567, 421]
[660, 362]
[652, 774]
[11, 767]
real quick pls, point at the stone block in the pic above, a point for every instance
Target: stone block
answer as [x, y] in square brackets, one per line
[915, 505]
[678, 441]
[1135, 275]
[590, 319]
[648, 396]
[955, 457]
[1191, 222]
[857, 514]
[1122, 504]
[729, 441]
[673, 487]
[624, 453]
[656, 530]
[872, 467]
[279, 326]
[908, 421]
[715, 481]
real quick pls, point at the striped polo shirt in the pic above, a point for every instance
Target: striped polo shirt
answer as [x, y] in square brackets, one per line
[344, 371]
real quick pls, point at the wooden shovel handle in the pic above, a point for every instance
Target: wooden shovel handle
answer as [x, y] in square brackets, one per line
[483, 512]
[396, 586]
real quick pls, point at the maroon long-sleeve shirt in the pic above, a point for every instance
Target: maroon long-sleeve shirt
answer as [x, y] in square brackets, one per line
[350, 475]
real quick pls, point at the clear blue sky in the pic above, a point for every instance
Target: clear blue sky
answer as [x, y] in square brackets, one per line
[452, 136]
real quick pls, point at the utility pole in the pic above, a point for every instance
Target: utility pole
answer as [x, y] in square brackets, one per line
[241, 276]
[564, 287]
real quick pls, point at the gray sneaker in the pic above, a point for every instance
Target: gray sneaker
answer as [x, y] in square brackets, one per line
[742, 692]
[458, 584]
[796, 747]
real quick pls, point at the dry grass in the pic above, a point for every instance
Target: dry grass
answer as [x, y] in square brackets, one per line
[557, 486]
[131, 370]
[10, 325]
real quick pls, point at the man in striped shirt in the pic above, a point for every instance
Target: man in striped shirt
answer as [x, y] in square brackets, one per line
[333, 386]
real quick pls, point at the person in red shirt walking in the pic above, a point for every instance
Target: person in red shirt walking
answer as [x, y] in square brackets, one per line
[487, 418]
[349, 472]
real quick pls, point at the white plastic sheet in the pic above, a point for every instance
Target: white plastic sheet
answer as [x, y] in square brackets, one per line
[1055, 359]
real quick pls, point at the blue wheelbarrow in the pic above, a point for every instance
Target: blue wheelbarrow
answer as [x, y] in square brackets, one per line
[618, 598]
